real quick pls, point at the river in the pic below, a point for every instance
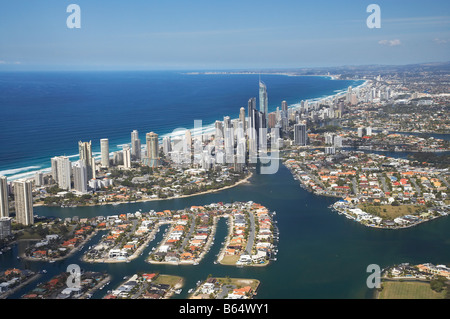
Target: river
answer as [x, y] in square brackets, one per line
[321, 254]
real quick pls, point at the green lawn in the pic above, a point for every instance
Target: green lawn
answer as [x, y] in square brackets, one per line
[168, 280]
[229, 260]
[389, 211]
[408, 290]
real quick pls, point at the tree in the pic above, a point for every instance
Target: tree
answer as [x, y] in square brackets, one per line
[438, 284]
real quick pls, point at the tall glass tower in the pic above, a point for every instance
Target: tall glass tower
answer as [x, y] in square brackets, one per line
[263, 100]
[152, 149]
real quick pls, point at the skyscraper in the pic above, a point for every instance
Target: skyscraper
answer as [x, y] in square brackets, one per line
[5, 227]
[226, 122]
[251, 118]
[39, 179]
[167, 145]
[218, 125]
[104, 148]
[4, 205]
[23, 198]
[152, 149]
[63, 168]
[80, 180]
[300, 136]
[284, 108]
[85, 150]
[272, 119]
[187, 141]
[135, 146]
[263, 100]
[337, 141]
[349, 94]
[242, 118]
[126, 157]
[284, 116]
[55, 168]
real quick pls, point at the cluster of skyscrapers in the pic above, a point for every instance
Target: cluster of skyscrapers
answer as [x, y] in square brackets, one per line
[236, 142]
[82, 174]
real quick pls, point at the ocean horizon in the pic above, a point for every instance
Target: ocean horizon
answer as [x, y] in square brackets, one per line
[47, 113]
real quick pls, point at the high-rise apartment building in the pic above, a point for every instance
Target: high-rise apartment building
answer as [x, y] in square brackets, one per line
[152, 149]
[5, 227]
[80, 180]
[104, 149]
[242, 118]
[54, 162]
[39, 179]
[263, 100]
[85, 151]
[135, 146]
[300, 136]
[64, 172]
[126, 157]
[4, 204]
[167, 145]
[23, 198]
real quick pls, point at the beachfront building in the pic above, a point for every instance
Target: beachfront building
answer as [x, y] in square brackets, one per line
[85, 151]
[4, 205]
[242, 118]
[23, 197]
[126, 157]
[61, 169]
[167, 145]
[263, 100]
[135, 146]
[104, 149]
[152, 149]
[80, 177]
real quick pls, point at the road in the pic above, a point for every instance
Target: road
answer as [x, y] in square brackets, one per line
[355, 185]
[383, 182]
[443, 179]
[251, 235]
[416, 186]
[188, 235]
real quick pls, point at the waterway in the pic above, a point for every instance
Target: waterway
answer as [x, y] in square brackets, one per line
[321, 254]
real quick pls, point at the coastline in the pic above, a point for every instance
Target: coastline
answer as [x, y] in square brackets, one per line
[22, 173]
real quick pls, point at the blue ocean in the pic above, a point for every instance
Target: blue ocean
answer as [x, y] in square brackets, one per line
[45, 114]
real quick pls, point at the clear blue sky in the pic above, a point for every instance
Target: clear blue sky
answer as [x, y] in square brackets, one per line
[198, 34]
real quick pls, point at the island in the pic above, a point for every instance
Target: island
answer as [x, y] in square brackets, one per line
[147, 286]
[225, 288]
